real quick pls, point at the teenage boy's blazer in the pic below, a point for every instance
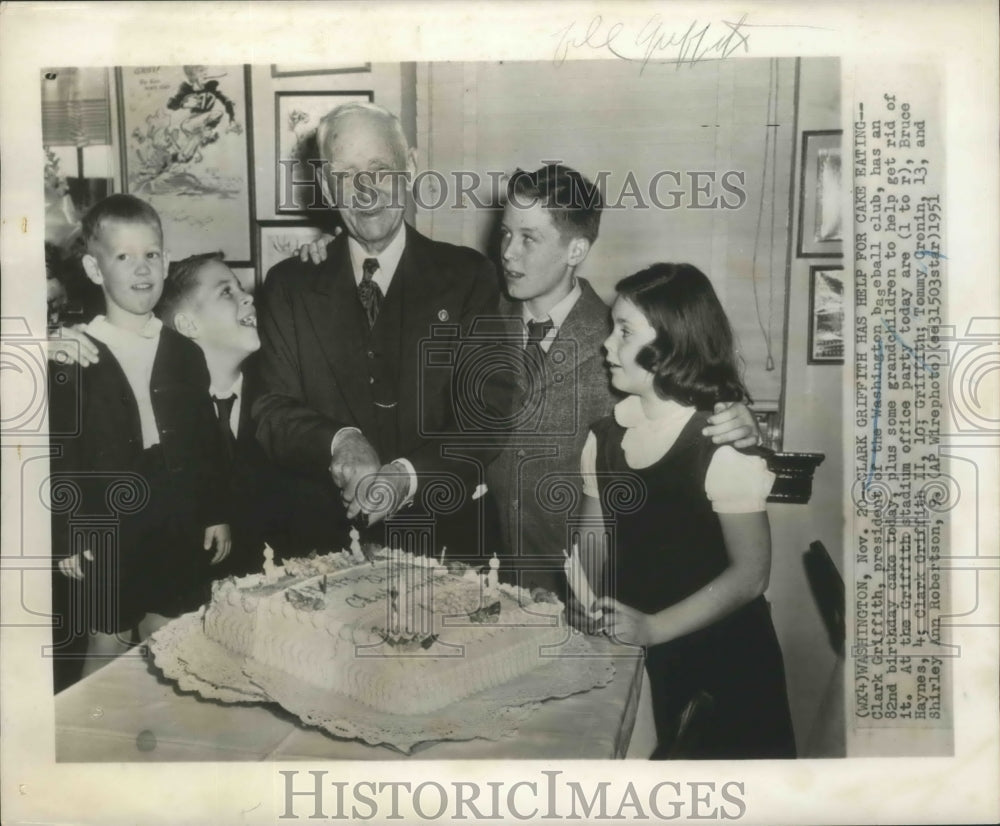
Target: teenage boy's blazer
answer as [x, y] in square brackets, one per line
[269, 504]
[572, 392]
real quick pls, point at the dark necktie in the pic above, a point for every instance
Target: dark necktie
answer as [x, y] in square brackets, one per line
[537, 331]
[534, 355]
[224, 410]
[369, 292]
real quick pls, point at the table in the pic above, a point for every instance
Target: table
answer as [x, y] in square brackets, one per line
[127, 712]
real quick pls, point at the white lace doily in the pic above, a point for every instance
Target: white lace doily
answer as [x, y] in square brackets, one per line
[183, 653]
[198, 664]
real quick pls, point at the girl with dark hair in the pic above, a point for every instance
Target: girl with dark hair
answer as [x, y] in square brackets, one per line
[686, 571]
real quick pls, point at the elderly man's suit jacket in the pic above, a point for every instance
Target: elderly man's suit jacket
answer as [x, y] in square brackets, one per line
[265, 495]
[569, 392]
[320, 373]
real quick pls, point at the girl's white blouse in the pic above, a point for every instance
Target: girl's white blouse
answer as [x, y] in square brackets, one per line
[735, 482]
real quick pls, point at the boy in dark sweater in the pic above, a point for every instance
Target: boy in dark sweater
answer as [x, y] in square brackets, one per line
[135, 434]
[205, 302]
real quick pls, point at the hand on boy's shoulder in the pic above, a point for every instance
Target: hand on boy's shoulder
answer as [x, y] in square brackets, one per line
[732, 423]
[315, 251]
[72, 345]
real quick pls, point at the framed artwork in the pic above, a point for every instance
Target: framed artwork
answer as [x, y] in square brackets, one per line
[296, 115]
[278, 240]
[186, 148]
[826, 315]
[821, 224]
[292, 70]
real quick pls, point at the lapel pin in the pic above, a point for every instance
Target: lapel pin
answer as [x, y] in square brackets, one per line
[442, 315]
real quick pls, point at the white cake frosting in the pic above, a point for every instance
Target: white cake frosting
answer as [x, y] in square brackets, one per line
[399, 633]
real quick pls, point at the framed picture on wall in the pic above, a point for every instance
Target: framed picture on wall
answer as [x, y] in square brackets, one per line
[278, 240]
[293, 70]
[826, 315]
[296, 115]
[186, 148]
[821, 223]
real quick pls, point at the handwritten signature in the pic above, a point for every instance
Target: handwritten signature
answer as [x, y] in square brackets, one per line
[653, 40]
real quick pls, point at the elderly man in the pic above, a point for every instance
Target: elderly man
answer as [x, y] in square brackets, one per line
[345, 398]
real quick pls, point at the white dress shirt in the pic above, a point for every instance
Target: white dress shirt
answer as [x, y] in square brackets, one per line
[557, 315]
[388, 260]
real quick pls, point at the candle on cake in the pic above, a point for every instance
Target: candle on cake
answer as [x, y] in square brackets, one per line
[492, 577]
[356, 546]
[272, 572]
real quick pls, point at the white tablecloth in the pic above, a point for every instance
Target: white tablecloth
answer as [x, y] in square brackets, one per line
[127, 712]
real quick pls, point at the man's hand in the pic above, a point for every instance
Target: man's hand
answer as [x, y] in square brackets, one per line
[72, 567]
[623, 624]
[71, 346]
[315, 251]
[733, 423]
[381, 495]
[352, 460]
[219, 536]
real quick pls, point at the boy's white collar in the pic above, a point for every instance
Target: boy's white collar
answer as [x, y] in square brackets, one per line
[103, 329]
[236, 388]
